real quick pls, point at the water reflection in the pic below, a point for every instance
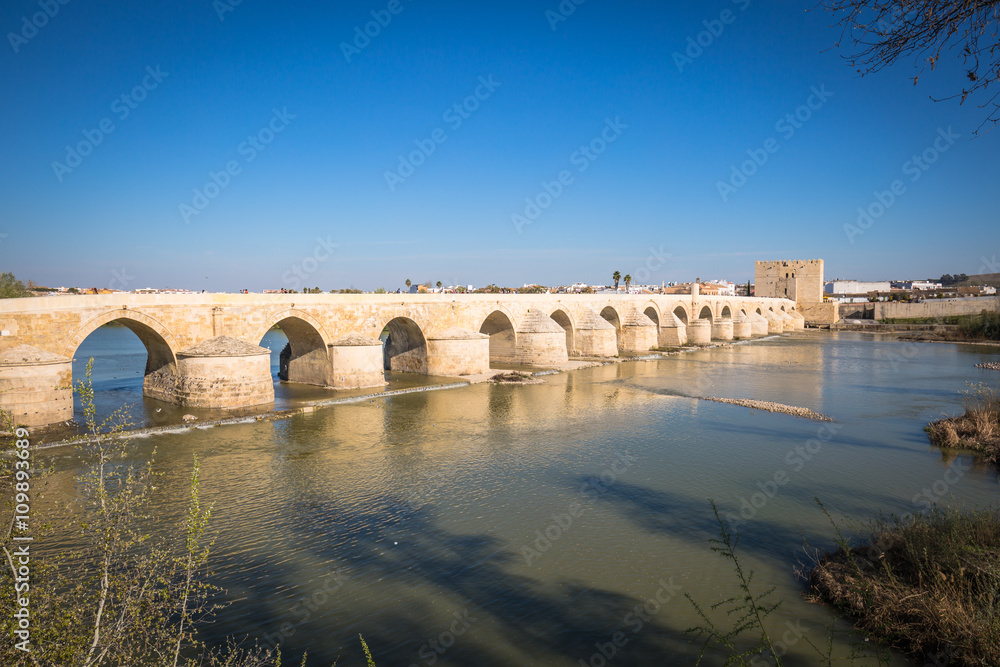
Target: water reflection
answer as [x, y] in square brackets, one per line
[396, 517]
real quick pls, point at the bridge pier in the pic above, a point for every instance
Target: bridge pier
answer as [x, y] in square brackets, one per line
[742, 328]
[639, 333]
[800, 322]
[774, 323]
[722, 328]
[699, 332]
[355, 361]
[595, 336]
[222, 372]
[457, 351]
[36, 386]
[758, 324]
[540, 340]
[673, 332]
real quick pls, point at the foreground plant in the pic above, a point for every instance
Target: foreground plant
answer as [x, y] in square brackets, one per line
[978, 429]
[121, 598]
[928, 585]
[749, 609]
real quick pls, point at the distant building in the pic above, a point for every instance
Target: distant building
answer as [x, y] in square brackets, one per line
[851, 287]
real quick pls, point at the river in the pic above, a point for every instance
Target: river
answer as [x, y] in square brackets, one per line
[499, 525]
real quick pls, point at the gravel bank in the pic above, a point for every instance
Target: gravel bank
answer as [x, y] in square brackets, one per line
[793, 410]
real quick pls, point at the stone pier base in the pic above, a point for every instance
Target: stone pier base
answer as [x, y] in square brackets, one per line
[639, 333]
[595, 336]
[356, 362]
[225, 373]
[742, 329]
[758, 324]
[460, 352]
[36, 386]
[722, 329]
[540, 340]
[673, 332]
[699, 332]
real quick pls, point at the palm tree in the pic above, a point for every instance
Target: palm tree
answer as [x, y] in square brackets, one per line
[439, 284]
[616, 276]
[408, 283]
[628, 281]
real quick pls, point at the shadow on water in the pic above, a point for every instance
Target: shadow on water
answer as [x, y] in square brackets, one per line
[402, 547]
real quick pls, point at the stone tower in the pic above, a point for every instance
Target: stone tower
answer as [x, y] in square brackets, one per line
[800, 280]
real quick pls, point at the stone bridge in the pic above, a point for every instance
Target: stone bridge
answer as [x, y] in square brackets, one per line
[203, 350]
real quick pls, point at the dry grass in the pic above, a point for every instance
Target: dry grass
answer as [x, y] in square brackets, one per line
[928, 585]
[977, 430]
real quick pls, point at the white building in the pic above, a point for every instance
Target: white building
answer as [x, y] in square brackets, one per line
[856, 286]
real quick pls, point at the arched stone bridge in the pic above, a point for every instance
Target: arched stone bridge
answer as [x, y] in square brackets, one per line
[204, 349]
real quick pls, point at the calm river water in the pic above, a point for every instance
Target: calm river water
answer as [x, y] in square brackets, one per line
[527, 525]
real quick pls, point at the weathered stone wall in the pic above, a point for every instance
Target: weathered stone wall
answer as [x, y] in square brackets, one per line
[818, 314]
[224, 382]
[799, 280]
[591, 325]
[935, 308]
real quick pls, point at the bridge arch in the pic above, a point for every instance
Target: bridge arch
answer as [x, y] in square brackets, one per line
[156, 338]
[680, 310]
[499, 326]
[727, 312]
[611, 315]
[404, 347]
[305, 358]
[653, 313]
[565, 320]
[706, 314]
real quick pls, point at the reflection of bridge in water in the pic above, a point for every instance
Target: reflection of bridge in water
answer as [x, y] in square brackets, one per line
[203, 350]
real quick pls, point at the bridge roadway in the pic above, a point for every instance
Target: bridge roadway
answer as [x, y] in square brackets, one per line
[203, 350]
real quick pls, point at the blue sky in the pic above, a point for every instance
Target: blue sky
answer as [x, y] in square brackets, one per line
[309, 130]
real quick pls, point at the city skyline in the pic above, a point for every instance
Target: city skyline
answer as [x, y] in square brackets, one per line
[220, 145]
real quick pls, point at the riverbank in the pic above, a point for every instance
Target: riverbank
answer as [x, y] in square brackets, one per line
[977, 430]
[925, 585]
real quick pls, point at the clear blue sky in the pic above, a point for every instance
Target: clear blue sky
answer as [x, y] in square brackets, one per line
[118, 216]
